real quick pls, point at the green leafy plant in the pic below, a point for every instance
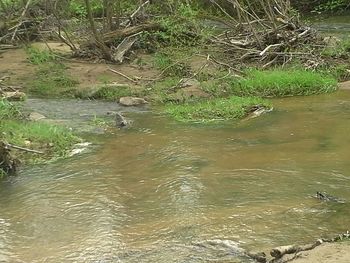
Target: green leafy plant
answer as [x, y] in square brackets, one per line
[8, 110]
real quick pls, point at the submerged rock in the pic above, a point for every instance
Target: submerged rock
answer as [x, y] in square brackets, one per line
[121, 121]
[132, 101]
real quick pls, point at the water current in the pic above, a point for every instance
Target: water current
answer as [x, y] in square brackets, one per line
[162, 191]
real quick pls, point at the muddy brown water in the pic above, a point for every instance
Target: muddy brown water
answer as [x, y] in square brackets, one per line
[160, 190]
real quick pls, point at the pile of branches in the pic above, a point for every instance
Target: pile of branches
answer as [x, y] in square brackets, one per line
[266, 32]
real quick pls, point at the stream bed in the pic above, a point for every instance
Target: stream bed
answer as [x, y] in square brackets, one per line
[164, 191]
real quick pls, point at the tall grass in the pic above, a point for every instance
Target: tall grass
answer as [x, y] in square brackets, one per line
[279, 83]
[8, 110]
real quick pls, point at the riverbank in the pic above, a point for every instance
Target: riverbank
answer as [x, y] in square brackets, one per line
[326, 253]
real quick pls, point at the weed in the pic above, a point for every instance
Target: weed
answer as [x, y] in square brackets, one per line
[279, 83]
[37, 56]
[8, 110]
[215, 110]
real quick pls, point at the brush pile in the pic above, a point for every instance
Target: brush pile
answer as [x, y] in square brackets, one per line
[266, 32]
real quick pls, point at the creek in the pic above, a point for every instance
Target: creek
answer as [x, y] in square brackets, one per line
[157, 191]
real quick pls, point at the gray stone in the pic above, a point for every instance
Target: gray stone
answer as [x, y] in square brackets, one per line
[132, 101]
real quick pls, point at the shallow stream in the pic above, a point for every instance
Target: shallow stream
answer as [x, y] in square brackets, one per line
[160, 191]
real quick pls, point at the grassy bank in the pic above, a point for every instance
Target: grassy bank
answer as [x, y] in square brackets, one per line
[53, 140]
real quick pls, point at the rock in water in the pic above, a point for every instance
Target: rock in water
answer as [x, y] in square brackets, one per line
[121, 121]
[132, 101]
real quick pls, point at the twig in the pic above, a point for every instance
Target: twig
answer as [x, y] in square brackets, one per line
[123, 75]
[22, 148]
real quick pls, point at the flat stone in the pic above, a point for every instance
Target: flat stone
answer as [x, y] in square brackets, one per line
[35, 116]
[132, 101]
[344, 85]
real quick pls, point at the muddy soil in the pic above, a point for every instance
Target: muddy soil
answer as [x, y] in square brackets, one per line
[14, 63]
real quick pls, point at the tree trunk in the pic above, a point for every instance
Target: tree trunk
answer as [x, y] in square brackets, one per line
[105, 50]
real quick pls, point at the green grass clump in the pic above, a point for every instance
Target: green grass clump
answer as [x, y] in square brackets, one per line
[54, 140]
[8, 110]
[279, 83]
[37, 56]
[216, 109]
[52, 80]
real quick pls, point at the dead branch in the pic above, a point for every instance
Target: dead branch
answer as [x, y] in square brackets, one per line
[123, 75]
[22, 148]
